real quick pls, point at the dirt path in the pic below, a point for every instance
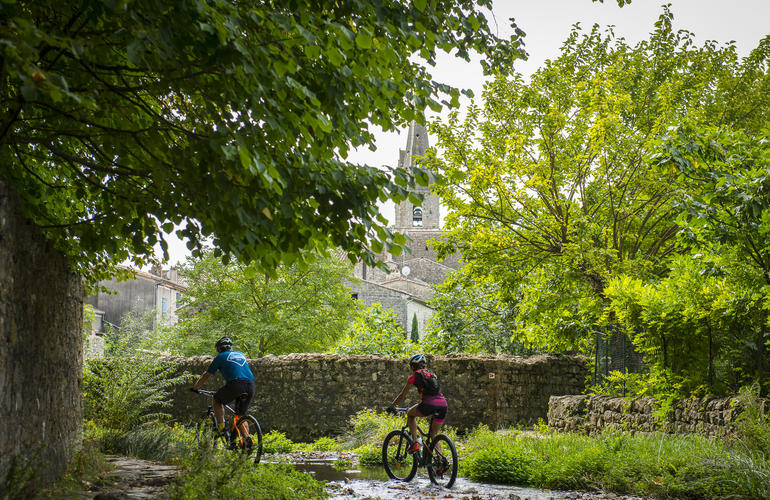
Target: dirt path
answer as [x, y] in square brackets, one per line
[134, 479]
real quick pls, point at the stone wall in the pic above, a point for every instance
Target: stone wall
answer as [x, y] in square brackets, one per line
[593, 414]
[41, 306]
[310, 395]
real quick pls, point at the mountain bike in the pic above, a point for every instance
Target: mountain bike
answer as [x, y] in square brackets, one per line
[245, 434]
[440, 461]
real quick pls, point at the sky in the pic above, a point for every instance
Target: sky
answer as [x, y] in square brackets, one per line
[547, 24]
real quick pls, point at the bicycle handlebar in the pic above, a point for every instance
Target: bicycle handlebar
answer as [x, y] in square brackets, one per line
[205, 392]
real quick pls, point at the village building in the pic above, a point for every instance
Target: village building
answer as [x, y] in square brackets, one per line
[406, 288]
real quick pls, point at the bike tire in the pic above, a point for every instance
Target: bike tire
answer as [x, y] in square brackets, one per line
[442, 466]
[208, 430]
[398, 463]
[255, 432]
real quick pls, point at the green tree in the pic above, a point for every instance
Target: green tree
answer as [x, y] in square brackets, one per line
[415, 335]
[470, 318]
[549, 185]
[375, 330]
[220, 119]
[299, 309]
[725, 216]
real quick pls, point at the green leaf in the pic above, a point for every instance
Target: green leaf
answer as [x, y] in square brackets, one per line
[363, 40]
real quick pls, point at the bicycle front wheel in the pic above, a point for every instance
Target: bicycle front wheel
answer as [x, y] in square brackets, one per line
[442, 468]
[207, 430]
[398, 463]
[249, 439]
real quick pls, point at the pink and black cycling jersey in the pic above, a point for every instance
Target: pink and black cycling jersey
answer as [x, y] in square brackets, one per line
[429, 399]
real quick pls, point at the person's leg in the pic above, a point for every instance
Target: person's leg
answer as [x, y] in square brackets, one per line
[224, 395]
[219, 414]
[411, 420]
[434, 428]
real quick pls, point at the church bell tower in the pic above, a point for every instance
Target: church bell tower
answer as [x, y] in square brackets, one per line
[409, 216]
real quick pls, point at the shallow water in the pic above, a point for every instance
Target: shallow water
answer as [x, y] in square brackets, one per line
[360, 482]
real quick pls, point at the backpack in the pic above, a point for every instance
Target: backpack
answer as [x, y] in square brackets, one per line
[427, 382]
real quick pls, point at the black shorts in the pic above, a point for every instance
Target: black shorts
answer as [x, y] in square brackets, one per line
[234, 389]
[438, 412]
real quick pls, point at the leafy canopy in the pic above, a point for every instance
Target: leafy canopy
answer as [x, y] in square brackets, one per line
[298, 309]
[550, 184]
[212, 118]
[375, 330]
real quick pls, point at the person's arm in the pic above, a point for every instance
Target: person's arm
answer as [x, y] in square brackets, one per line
[202, 380]
[402, 394]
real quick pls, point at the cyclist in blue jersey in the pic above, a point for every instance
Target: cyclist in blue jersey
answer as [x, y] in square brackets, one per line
[236, 372]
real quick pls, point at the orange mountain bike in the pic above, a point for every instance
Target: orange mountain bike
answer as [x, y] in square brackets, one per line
[245, 434]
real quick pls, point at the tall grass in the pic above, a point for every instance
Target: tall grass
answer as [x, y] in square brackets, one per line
[655, 464]
[211, 473]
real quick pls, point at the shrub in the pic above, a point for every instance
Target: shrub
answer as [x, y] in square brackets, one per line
[368, 427]
[124, 392]
[324, 444]
[370, 454]
[277, 442]
[211, 474]
[496, 458]
[375, 331]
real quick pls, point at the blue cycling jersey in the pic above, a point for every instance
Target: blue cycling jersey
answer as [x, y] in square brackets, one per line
[233, 364]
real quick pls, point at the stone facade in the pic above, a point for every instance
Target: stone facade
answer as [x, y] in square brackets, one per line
[593, 414]
[159, 289]
[311, 395]
[41, 306]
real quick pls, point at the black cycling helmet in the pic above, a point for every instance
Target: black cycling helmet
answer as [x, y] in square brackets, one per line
[224, 344]
[417, 361]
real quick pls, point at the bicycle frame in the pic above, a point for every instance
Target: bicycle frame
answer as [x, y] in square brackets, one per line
[235, 427]
[427, 441]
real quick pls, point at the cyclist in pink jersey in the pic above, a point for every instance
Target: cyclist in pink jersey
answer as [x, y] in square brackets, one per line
[432, 400]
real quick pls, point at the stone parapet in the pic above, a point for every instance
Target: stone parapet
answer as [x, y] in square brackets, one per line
[310, 395]
[593, 414]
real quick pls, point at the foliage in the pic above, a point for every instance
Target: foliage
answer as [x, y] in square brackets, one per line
[691, 325]
[220, 119]
[209, 474]
[155, 441]
[297, 309]
[123, 392]
[342, 464]
[88, 468]
[752, 432]
[21, 477]
[368, 427]
[375, 330]
[88, 320]
[726, 218]
[552, 185]
[657, 465]
[415, 335]
[471, 318]
[277, 442]
[370, 454]
[324, 444]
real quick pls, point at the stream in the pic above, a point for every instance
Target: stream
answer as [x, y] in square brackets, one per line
[367, 483]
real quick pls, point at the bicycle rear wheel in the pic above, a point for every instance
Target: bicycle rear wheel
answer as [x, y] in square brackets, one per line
[249, 439]
[398, 463]
[442, 468]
